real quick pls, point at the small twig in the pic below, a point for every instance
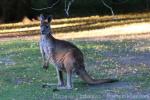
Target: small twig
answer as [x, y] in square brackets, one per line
[47, 7]
[68, 7]
[106, 5]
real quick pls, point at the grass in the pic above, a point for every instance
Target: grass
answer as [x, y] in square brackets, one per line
[124, 54]
[136, 24]
[78, 24]
[23, 79]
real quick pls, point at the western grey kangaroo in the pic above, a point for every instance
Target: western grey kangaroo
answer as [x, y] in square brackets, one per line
[65, 56]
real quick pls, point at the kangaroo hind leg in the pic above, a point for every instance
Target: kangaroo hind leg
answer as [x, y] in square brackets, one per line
[68, 65]
[60, 78]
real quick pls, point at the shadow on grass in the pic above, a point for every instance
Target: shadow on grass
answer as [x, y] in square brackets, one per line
[87, 23]
[91, 25]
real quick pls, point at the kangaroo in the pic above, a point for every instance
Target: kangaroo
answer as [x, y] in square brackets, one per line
[65, 56]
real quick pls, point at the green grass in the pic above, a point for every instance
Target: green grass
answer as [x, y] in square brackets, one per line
[22, 76]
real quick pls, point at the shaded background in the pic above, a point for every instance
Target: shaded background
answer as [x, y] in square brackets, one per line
[16, 10]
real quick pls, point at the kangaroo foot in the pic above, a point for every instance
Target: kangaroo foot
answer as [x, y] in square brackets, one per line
[60, 85]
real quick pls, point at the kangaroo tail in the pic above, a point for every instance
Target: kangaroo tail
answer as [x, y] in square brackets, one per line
[87, 78]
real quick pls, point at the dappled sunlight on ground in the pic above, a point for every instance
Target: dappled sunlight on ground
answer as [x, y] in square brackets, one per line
[129, 26]
[130, 31]
[122, 31]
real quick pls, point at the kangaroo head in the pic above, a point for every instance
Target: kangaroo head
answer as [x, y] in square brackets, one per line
[45, 24]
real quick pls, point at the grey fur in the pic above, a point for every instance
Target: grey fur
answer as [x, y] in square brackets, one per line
[65, 56]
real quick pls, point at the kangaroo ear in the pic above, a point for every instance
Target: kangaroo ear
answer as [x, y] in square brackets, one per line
[41, 17]
[49, 18]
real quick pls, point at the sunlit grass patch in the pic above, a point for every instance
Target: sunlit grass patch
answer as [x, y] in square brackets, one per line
[68, 25]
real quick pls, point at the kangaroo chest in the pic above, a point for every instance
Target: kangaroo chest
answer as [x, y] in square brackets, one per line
[47, 48]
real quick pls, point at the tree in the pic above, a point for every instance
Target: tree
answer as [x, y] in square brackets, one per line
[14, 10]
[53, 3]
[68, 4]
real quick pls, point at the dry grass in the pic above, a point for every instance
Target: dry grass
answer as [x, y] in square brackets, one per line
[123, 30]
[98, 27]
